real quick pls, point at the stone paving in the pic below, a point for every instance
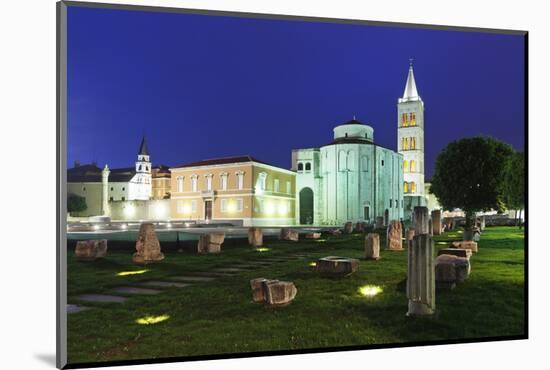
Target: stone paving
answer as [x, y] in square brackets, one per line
[181, 281]
[136, 290]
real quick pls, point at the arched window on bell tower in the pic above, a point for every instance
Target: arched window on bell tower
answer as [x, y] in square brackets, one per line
[413, 166]
[405, 166]
[405, 187]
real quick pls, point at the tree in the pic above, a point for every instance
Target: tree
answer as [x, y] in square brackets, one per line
[513, 184]
[76, 203]
[469, 175]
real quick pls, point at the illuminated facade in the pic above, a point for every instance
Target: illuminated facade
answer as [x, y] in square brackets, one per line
[410, 143]
[239, 190]
[350, 179]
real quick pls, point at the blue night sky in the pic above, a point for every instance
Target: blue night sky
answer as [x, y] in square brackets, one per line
[202, 87]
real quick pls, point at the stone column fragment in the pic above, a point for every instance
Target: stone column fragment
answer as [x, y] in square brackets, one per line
[421, 276]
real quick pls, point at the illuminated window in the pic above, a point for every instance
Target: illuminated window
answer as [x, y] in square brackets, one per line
[263, 181]
[288, 187]
[240, 180]
[413, 166]
[405, 166]
[405, 187]
[308, 166]
[412, 119]
[208, 182]
[404, 120]
[276, 185]
[179, 182]
[223, 181]
[300, 166]
[405, 143]
[194, 184]
[413, 143]
[413, 187]
[180, 206]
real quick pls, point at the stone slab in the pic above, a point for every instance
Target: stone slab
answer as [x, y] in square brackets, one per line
[228, 269]
[136, 290]
[194, 279]
[210, 274]
[165, 284]
[74, 308]
[101, 298]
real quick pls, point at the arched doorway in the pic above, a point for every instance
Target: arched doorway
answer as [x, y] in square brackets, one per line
[306, 206]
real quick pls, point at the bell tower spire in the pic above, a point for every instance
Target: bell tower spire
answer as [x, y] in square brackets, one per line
[410, 141]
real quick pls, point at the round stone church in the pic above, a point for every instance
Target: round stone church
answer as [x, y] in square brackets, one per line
[350, 179]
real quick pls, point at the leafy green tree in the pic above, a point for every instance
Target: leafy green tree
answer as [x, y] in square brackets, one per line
[513, 190]
[76, 203]
[469, 175]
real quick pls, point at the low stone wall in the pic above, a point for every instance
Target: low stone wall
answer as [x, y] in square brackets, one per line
[134, 210]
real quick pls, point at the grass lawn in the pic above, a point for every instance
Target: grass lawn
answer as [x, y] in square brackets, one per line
[219, 317]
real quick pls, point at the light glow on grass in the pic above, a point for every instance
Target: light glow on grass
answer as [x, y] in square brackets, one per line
[136, 272]
[370, 290]
[442, 243]
[149, 320]
[262, 249]
[313, 264]
[321, 240]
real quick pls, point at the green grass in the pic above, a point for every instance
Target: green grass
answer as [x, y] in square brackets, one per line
[219, 317]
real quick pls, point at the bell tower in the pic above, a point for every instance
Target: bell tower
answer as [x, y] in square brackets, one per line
[410, 137]
[140, 187]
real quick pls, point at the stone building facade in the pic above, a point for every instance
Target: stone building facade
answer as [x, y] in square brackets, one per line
[350, 179]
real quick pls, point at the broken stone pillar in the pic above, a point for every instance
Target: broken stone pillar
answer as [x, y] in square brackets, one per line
[147, 246]
[348, 228]
[273, 292]
[379, 222]
[333, 266]
[372, 246]
[451, 270]
[436, 222]
[465, 245]
[313, 236]
[482, 223]
[394, 236]
[421, 276]
[255, 237]
[90, 250]
[210, 243]
[466, 253]
[360, 227]
[421, 219]
[289, 234]
[430, 227]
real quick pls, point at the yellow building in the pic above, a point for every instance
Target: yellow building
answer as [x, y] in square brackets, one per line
[160, 182]
[241, 190]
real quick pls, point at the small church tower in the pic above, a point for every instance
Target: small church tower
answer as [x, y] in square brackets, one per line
[140, 186]
[410, 138]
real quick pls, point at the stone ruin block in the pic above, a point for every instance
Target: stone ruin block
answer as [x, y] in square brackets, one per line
[410, 234]
[437, 226]
[272, 292]
[421, 276]
[333, 266]
[394, 236]
[289, 234]
[348, 228]
[372, 246]
[90, 250]
[450, 270]
[360, 227]
[255, 237]
[466, 253]
[313, 236]
[421, 221]
[465, 244]
[147, 246]
[379, 224]
[210, 243]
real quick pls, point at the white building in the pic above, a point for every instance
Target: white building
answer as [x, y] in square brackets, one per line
[350, 179]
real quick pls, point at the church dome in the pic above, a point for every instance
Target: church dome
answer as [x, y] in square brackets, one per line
[353, 131]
